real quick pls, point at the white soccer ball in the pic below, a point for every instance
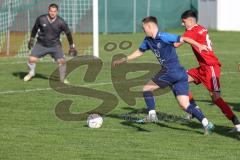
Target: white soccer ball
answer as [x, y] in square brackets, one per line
[94, 121]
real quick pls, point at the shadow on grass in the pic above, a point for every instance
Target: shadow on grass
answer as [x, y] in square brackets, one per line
[134, 114]
[164, 118]
[21, 75]
[128, 123]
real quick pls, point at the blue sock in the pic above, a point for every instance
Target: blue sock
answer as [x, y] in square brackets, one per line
[149, 100]
[195, 112]
[192, 102]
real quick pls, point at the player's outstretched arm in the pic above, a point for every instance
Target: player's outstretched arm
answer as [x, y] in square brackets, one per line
[193, 42]
[178, 44]
[132, 56]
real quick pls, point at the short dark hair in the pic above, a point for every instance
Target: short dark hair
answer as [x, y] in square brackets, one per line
[150, 19]
[53, 5]
[189, 13]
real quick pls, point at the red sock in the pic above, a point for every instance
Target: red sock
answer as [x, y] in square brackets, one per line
[190, 96]
[227, 111]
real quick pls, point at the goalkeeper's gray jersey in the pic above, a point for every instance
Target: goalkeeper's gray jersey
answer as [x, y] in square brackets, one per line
[48, 33]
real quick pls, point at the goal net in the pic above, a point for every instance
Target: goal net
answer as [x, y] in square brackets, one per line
[17, 18]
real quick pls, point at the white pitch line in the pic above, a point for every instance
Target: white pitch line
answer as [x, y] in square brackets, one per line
[47, 59]
[25, 90]
[45, 89]
[224, 73]
[86, 85]
[25, 62]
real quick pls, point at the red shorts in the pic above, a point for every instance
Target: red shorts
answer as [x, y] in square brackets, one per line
[207, 75]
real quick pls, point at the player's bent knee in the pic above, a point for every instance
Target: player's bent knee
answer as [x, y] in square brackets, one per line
[183, 101]
[146, 88]
[149, 88]
[61, 61]
[33, 59]
[184, 106]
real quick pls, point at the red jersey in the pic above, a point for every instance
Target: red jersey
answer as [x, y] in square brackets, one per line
[200, 35]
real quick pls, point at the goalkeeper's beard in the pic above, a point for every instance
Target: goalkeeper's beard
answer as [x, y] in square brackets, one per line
[51, 17]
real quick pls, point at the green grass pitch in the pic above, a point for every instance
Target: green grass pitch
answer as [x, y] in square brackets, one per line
[30, 129]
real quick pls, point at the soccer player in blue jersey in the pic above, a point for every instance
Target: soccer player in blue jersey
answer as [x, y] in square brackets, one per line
[172, 73]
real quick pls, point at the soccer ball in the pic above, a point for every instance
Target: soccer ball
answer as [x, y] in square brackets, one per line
[94, 121]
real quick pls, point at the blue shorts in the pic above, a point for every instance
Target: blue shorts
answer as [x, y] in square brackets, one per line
[39, 51]
[177, 79]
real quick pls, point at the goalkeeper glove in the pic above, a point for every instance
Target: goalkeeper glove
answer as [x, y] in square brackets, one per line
[72, 51]
[30, 43]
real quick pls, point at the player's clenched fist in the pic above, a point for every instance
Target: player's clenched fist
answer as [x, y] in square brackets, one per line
[72, 51]
[119, 61]
[30, 43]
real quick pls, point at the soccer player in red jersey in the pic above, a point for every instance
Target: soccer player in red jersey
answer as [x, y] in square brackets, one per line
[208, 72]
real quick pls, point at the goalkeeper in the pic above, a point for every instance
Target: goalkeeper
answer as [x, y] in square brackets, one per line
[48, 28]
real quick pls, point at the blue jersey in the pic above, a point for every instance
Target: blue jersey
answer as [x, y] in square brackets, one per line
[162, 47]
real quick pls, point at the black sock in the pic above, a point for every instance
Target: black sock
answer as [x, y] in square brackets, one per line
[235, 120]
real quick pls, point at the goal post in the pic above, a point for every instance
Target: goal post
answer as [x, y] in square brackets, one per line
[95, 29]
